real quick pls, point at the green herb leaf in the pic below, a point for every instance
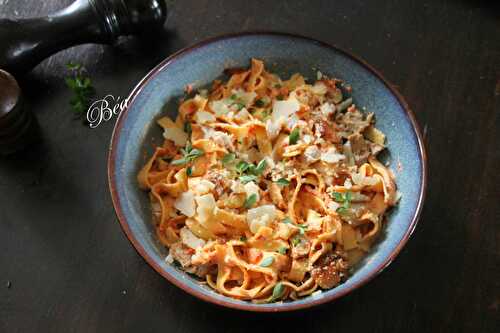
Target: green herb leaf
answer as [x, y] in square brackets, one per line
[179, 161]
[239, 106]
[167, 159]
[81, 87]
[295, 241]
[251, 169]
[247, 178]
[338, 197]
[86, 82]
[282, 250]
[259, 103]
[188, 147]
[233, 97]
[190, 155]
[189, 171]
[283, 182]
[344, 105]
[243, 239]
[278, 291]
[294, 136]
[228, 158]
[260, 168]
[194, 153]
[73, 66]
[302, 228]
[342, 210]
[347, 198]
[250, 201]
[267, 261]
[280, 97]
[242, 166]
[71, 83]
[187, 128]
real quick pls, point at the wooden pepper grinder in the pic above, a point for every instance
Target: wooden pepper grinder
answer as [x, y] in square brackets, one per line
[26, 42]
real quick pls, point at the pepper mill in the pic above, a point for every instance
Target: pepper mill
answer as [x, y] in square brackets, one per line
[26, 42]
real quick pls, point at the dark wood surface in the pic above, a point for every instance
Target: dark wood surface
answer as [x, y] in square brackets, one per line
[66, 266]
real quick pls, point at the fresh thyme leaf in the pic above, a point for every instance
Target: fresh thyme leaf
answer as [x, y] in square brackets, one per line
[193, 154]
[228, 158]
[243, 239]
[188, 147]
[249, 172]
[280, 97]
[283, 182]
[189, 155]
[346, 204]
[82, 88]
[242, 166]
[302, 228]
[344, 105]
[189, 171]
[86, 83]
[179, 161]
[187, 128]
[73, 66]
[250, 201]
[233, 97]
[247, 178]
[267, 261]
[167, 159]
[278, 291]
[338, 197]
[251, 169]
[260, 168]
[347, 199]
[342, 210]
[282, 250]
[259, 103]
[239, 106]
[294, 136]
[295, 241]
[71, 83]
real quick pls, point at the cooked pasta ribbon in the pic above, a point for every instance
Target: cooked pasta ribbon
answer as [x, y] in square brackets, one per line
[269, 189]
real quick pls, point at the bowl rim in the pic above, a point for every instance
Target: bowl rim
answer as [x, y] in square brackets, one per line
[285, 306]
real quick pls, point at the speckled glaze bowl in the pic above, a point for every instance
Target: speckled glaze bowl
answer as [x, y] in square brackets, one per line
[285, 54]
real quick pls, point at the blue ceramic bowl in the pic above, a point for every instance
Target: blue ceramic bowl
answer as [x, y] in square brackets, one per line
[285, 54]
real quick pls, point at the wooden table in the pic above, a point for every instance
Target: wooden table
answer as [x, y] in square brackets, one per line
[66, 266]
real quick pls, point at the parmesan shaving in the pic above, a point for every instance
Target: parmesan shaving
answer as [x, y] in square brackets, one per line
[178, 136]
[185, 203]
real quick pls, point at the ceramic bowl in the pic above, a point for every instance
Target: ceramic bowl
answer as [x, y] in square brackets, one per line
[157, 95]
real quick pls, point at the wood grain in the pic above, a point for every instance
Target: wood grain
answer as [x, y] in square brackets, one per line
[67, 267]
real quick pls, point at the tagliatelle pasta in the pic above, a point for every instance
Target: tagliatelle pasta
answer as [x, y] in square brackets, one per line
[268, 189]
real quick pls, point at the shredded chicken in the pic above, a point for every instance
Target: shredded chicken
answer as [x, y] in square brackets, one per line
[182, 254]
